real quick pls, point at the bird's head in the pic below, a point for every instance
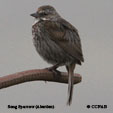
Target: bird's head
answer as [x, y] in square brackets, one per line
[46, 12]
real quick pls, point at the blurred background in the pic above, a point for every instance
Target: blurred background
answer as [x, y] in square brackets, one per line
[94, 21]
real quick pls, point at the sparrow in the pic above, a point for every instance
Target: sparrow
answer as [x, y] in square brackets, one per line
[57, 42]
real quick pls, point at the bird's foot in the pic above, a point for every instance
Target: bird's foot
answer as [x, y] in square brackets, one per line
[53, 70]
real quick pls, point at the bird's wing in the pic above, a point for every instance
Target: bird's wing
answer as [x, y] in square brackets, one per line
[66, 36]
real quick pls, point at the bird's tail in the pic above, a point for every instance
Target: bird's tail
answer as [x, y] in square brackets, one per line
[70, 83]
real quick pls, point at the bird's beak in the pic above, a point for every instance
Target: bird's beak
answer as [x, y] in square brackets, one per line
[34, 15]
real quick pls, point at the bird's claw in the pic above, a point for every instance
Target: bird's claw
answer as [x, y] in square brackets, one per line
[53, 70]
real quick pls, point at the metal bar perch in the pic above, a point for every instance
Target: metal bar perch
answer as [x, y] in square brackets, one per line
[36, 75]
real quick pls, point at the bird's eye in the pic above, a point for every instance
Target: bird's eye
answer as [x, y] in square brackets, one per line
[43, 14]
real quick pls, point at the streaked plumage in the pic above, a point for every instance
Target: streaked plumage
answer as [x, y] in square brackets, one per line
[57, 41]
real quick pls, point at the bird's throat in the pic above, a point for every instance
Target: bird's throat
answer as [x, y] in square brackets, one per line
[36, 21]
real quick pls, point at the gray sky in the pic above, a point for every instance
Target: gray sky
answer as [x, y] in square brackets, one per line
[94, 20]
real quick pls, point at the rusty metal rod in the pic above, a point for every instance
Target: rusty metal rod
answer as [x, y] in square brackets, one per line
[36, 75]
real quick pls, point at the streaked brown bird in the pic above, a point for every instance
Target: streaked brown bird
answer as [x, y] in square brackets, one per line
[57, 42]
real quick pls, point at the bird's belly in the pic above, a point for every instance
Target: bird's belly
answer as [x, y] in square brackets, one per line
[50, 51]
